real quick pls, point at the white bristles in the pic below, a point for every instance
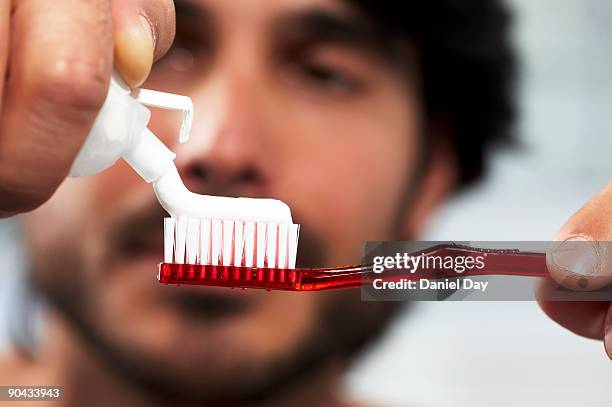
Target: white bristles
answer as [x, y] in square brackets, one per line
[271, 245]
[230, 243]
[249, 244]
[216, 236]
[282, 245]
[238, 243]
[292, 244]
[169, 227]
[205, 226]
[193, 240]
[260, 258]
[181, 238]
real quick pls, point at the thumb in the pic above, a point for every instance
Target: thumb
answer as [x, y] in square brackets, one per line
[581, 256]
[143, 32]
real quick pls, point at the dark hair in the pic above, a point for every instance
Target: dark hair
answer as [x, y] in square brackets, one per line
[468, 67]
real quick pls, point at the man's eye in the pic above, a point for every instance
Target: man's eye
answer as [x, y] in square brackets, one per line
[328, 77]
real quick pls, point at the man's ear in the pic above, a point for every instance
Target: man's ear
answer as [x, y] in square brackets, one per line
[439, 179]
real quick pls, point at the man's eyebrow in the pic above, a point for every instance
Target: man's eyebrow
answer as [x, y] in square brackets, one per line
[319, 26]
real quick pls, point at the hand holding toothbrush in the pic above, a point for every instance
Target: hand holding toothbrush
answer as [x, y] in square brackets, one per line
[57, 57]
[588, 269]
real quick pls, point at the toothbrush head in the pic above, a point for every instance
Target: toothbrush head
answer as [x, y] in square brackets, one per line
[237, 243]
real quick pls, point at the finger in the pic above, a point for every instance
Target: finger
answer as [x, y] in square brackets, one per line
[60, 64]
[581, 260]
[608, 332]
[581, 257]
[585, 318]
[5, 12]
[143, 32]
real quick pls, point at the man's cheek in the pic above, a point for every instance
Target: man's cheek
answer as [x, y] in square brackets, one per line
[60, 219]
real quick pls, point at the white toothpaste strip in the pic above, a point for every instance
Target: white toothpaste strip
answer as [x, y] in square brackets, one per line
[180, 202]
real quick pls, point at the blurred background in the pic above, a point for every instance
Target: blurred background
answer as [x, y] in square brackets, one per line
[507, 353]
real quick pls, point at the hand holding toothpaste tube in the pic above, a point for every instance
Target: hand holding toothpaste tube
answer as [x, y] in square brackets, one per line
[57, 61]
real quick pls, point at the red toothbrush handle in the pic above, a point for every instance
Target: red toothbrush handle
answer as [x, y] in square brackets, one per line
[497, 262]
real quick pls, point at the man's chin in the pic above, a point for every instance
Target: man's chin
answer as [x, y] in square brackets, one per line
[188, 343]
[175, 339]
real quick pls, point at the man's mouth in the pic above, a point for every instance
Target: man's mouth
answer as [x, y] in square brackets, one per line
[206, 303]
[137, 248]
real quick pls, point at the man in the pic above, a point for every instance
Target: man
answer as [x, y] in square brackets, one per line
[362, 118]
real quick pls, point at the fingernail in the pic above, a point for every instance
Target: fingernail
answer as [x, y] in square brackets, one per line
[577, 255]
[134, 52]
[608, 342]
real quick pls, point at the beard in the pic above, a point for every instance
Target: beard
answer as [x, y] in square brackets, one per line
[342, 326]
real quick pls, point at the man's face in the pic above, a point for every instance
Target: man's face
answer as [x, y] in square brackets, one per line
[292, 101]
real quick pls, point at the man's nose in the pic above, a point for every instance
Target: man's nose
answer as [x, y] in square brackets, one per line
[227, 144]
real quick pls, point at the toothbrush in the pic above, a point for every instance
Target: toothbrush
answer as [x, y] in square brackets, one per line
[120, 131]
[193, 260]
[234, 242]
